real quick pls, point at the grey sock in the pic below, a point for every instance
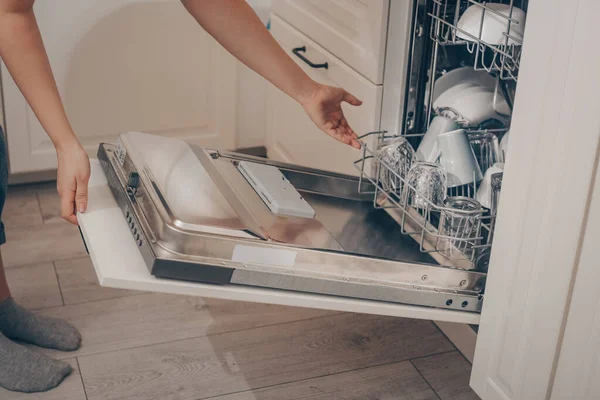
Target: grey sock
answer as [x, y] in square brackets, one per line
[18, 323]
[24, 370]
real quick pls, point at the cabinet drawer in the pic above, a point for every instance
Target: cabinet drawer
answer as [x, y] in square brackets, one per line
[352, 30]
[291, 135]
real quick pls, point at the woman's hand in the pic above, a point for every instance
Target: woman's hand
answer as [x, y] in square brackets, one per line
[324, 107]
[72, 182]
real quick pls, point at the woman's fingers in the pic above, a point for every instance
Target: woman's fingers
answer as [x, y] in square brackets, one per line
[81, 196]
[348, 98]
[67, 206]
[354, 142]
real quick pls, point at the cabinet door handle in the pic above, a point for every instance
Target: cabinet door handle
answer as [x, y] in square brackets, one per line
[297, 51]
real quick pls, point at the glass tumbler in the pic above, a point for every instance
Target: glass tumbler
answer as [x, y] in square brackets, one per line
[398, 155]
[496, 188]
[427, 185]
[486, 149]
[459, 225]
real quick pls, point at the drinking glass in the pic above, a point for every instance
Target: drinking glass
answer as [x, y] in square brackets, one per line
[486, 149]
[496, 188]
[399, 155]
[459, 227]
[427, 185]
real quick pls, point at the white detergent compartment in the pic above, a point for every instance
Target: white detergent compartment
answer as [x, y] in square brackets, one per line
[275, 190]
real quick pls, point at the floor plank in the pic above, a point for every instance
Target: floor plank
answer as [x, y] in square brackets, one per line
[448, 374]
[79, 283]
[34, 286]
[397, 381]
[50, 242]
[49, 203]
[70, 389]
[21, 208]
[154, 346]
[243, 360]
[147, 319]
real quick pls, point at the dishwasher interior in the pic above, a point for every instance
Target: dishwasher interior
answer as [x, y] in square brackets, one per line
[463, 73]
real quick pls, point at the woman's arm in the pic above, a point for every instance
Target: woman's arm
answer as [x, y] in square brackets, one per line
[236, 27]
[22, 50]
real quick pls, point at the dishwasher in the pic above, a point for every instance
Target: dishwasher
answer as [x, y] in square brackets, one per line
[228, 219]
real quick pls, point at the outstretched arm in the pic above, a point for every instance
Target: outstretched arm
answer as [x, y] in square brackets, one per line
[236, 27]
[23, 52]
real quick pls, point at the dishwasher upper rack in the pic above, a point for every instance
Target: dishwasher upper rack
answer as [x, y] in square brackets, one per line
[503, 59]
[422, 224]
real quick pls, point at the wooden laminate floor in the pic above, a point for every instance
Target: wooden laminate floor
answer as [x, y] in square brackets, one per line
[150, 346]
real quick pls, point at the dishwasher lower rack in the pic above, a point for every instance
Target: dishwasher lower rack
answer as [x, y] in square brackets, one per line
[452, 248]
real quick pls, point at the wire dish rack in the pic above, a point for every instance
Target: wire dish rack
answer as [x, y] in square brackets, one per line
[461, 247]
[492, 31]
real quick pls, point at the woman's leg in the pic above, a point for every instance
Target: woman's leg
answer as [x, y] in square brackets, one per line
[15, 321]
[4, 290]
[21, 369]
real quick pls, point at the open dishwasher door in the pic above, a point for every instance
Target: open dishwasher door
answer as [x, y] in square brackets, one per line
[167, 216]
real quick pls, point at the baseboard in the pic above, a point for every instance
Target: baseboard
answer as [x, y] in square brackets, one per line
[32, 177]
[461, 335]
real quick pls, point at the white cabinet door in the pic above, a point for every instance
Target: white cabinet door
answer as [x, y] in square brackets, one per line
[552, 159]
[577, 373]
[291, 135]
[121, 66]
[354, 31]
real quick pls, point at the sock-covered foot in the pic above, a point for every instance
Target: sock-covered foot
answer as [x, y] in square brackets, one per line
[18, 323]
[24, 370]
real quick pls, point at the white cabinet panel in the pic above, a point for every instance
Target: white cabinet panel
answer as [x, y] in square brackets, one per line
[577, 374]
[552, 158]
[291, 135]
[121, 66]
[352, 30]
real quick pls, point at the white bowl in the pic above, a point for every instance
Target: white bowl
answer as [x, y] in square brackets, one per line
[462, 75]
[493, 24]
[474, 104]
[447, 97]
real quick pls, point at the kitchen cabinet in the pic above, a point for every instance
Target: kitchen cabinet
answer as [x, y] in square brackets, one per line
[547, 214]
[578, 354]
[537, 334]
[125, 65]
[291, 135]
[363, 54]
[353, 31]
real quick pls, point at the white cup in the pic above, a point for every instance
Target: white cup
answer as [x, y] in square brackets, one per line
[428, 149]
[457, 158]
[484, 193]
